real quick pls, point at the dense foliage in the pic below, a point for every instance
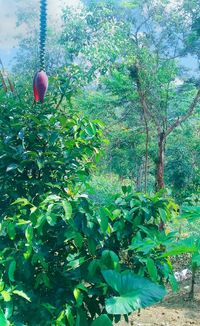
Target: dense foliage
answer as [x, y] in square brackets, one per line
[84, 237]
[132, 72]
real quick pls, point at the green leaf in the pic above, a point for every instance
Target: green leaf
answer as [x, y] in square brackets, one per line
[81, 318]
[8, 309]
[61, 318]
[67, 208]
[109, 260]
[104, 224]
[3, 321]
[6, 296]
[11, 270]
[69, 315]
[22, 222]
[91, 246]
[22, 294]
[104, 215]
[22, 201]
[134, 292]
[90, 130]
[78, 295]
[78, 240]
[102, 320]
[40, 164]
[152, 270]
[29, 233]
[163, 214]
[173, 282]
[49, 307]
[33, 209]
[116, 213]
[28, 252]
[93, 267]
[51, 218]
[76, 263]
[2, 284]
[12, 167]
[180, 247]
[11, 230]
[40, 221]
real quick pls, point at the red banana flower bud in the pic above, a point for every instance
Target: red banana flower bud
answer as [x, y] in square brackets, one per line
[40, 85]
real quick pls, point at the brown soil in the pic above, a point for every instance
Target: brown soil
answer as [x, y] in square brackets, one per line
[175, 310]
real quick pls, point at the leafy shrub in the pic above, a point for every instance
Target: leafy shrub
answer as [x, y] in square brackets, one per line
[139, 228]
[62, 260]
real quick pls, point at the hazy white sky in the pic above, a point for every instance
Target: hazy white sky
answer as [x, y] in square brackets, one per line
[9, 31]
[8, 8]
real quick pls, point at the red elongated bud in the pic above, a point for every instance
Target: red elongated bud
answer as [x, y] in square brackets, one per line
[35, 92]
[40, 85]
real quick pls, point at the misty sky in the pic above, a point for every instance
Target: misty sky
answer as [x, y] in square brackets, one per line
[8, 9]
[9, 31]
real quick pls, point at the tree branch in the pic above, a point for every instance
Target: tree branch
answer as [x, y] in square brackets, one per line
[144, 101]
[189, 112]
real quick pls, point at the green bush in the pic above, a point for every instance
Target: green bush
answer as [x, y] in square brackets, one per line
[64, 261]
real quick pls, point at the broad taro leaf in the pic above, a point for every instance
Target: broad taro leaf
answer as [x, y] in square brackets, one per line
[134, 292]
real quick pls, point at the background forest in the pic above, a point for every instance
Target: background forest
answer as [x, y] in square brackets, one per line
[100, 183]
[134, 66]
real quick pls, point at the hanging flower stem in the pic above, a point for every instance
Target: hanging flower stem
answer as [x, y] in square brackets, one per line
[43, 30]
[40, 80]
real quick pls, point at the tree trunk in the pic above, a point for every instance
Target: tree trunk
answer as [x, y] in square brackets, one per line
[191, 294]
[139, 177]
[159, 182]
[146, 155]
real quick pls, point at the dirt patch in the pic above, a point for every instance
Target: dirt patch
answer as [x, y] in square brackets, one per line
[175, 310]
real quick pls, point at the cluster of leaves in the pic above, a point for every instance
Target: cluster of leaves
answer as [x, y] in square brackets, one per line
[142, 232]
